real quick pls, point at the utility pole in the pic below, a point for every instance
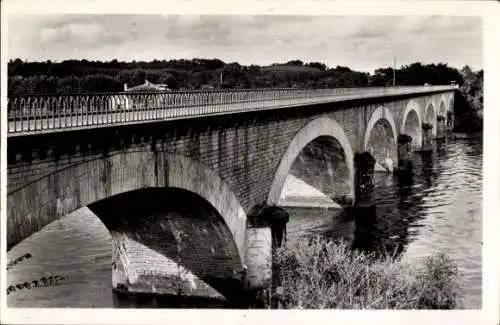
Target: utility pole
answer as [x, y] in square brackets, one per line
[394, 74]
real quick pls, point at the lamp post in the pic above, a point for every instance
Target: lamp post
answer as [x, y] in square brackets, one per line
[394, 74]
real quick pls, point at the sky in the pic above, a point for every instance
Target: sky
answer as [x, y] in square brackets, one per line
[363, 43]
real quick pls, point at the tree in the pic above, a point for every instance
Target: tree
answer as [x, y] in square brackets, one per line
[295, 62]
[317, 65]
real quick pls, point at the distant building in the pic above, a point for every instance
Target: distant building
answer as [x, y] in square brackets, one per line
[146, 86]
[126, 102]
[206, 87]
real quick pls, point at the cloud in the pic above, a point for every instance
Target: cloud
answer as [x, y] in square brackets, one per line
[361, 42]
[83, 32]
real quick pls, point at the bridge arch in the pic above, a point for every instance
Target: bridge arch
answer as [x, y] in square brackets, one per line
[412, 123]
[442, 107]
[430, 116]
[382, 121]
[450, 112]
[322, 127]
[451, 104]
[69, 189]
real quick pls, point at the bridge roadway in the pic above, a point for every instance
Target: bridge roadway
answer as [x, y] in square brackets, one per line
[28, 115]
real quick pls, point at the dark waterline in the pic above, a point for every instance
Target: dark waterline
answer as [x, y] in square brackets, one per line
[439, 209]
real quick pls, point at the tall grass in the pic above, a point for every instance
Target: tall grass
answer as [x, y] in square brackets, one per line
[322, 274]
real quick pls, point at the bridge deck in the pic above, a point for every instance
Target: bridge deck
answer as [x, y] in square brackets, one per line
[29, 115]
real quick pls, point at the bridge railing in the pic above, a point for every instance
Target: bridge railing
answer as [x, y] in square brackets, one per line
[41, 112]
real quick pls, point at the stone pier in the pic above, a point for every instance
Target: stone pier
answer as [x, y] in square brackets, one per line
[405, 164]
[426, 137]
[266, 231]
[441, 127]
[363, 180]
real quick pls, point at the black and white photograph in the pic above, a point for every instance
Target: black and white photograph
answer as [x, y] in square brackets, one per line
[244, 161]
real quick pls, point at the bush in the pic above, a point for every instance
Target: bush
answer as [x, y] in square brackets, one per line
[322, 274]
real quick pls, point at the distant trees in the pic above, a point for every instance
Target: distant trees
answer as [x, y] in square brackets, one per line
[469, 101]
[472, 88]
[295, 62]
[318, 65]
[197, 73]
[417, 74]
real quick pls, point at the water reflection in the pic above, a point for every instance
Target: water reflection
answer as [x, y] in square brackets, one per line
[121, 300]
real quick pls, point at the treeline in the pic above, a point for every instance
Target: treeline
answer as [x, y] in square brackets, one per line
[96, 76]
[469, 101]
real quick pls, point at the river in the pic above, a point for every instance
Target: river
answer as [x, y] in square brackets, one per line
[440, 209]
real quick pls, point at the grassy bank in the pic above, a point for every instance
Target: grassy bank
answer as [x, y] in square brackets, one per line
[322, 274]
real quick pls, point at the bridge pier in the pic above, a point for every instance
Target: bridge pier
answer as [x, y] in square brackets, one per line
[405, 164]
[426, 137]
[363, 180]
[449, 121]
[266, 231]
[441, 127]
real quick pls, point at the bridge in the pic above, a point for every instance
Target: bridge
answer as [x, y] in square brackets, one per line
[180, 178]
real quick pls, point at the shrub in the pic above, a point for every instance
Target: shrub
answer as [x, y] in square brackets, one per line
[322, 274]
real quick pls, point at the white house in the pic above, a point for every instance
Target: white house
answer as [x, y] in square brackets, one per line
[125, 102]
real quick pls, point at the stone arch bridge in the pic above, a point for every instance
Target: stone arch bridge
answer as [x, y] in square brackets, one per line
[176, 178]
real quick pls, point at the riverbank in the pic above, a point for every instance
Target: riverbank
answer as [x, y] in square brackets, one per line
[321, 274]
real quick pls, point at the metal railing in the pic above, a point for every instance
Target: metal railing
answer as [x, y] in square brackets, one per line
[48, 112]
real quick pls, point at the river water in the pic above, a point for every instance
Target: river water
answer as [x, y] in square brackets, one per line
[440, 209]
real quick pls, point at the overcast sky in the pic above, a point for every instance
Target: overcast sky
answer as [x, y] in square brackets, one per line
[359, 42]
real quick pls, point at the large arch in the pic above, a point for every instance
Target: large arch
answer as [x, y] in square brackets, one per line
[412, 112]
[173, 233]
[382, 115]
[319, 127]
[430, 116]
[49, 198]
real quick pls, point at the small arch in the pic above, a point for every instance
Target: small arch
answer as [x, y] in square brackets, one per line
[319, 127]
[382, 114]
[414, 109]
[430, 116]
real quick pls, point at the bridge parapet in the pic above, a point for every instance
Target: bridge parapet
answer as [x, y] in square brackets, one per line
[39, 113]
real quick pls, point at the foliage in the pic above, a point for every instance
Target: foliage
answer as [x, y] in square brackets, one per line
[472, 88]
[417, 74]
[91, 76]
[469, 101]
[322, 274]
